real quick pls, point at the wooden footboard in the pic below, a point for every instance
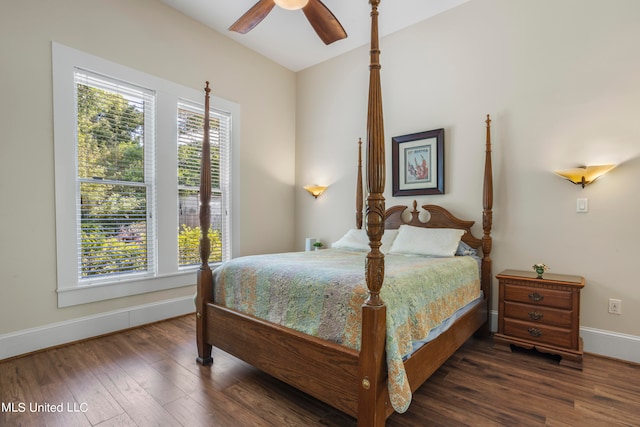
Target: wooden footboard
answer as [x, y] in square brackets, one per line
[324, 370]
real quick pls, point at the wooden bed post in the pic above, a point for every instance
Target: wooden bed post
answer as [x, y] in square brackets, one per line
[487, 223]
[372, 392]
[204, 278]
[359, 202]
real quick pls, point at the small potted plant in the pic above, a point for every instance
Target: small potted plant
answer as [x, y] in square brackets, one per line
[540, 269]
[317, 246]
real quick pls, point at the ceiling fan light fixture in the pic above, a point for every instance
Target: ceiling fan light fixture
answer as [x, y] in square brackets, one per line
[323, 21]
[291, 4]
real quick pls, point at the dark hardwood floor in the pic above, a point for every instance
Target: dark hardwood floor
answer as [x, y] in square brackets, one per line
[148, 376]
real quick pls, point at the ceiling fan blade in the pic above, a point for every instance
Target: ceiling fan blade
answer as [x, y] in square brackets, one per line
[252, 17]
[324, 22]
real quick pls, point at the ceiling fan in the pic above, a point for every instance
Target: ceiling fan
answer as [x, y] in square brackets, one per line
[320, 17]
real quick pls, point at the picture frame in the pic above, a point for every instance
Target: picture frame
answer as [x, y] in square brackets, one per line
[418, 163]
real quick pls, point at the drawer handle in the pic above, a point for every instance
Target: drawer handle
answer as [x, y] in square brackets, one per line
[536, 297]
[535, 315]
[535, 332]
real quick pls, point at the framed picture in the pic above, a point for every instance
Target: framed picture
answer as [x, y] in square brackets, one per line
[418, 163]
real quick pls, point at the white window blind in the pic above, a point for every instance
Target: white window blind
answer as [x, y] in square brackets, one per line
[115, 178]
[190, 136]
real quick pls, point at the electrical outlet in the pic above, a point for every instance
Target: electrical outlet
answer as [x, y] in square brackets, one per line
[615, 306]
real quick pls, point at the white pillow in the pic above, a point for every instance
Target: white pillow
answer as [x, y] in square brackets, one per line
[357, 240]
[426, 241]
[388, 238]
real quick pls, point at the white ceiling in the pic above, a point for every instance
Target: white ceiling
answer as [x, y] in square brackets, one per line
[287, 38]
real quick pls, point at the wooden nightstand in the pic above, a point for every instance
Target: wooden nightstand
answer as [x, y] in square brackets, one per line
[540, 313]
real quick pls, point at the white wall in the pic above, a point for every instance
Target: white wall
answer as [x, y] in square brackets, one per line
[148, 36]
[561, 80]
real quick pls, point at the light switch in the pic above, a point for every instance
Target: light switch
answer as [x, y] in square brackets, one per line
[582, 205]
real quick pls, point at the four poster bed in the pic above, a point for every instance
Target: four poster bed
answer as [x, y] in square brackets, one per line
[362, 364]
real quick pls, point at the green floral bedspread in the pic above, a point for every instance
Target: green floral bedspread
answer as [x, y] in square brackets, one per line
[321, 293]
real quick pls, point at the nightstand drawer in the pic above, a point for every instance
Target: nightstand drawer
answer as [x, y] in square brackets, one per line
[538, 333]
[538, 314]
[538, 296]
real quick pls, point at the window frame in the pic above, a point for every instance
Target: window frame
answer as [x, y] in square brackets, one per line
[167, 275]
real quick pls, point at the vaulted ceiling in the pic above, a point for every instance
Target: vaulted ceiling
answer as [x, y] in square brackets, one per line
[286, 36]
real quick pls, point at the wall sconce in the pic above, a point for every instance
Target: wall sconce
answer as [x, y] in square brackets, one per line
[584, 175]
[315, 190]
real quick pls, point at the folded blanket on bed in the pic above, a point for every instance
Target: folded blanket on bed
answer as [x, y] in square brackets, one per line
[321, 293]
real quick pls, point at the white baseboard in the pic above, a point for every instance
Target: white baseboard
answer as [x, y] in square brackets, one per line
[596, 341]
[493, 321]
[29, 340]
[600, 342]
[611, 344]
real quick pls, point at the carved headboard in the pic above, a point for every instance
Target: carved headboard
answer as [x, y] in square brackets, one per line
[437, 217]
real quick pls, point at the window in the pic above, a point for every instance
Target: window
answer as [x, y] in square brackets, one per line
[127, 147]
[190, 134]
[115, 178]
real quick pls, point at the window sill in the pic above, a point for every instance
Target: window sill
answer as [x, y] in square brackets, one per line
[99, 292]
